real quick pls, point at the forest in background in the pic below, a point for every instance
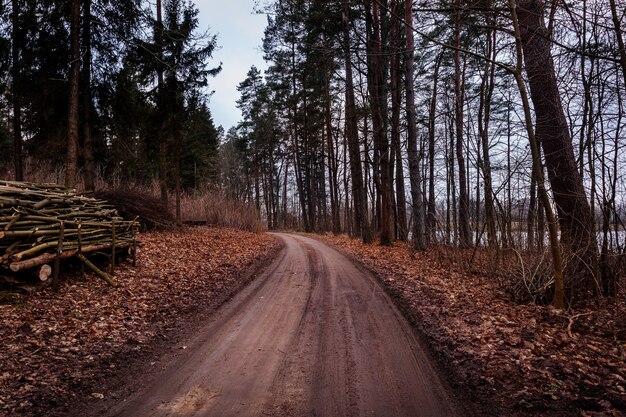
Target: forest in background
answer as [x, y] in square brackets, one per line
[108, 90]
[466, 123]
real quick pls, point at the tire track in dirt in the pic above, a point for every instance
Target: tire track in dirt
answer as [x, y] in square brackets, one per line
[313, 335]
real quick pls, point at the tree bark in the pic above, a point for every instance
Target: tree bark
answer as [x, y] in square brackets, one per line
[558, 299]
[396, 102]
[575, 217]
[464, 229]
[74, 77]
[359, 199]
[178, 144]
[332, 161]
[419, 241]
[486, 93]
[432, 210]
[378, 103]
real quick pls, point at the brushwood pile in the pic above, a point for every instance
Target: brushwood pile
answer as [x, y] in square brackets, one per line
[44, 224]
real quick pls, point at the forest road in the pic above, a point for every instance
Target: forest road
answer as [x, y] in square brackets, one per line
[312, 335]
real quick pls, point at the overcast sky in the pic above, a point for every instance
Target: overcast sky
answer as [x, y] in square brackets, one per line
[239, 34]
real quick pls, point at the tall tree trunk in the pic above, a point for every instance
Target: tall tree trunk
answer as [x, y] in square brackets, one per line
[532, 215]
[87, 140]
[178, 144]
[332, 160]
[484, 113]
[396, 103]
[308, 164]
[285, 182]
[558, 300]
[297, 166]
[74, 78]
[378, 104]
[575, 218]
[432, 114]
[453, 194]
[161, 103]
[464, 229]
[348, 219]
[415, 176]
[359, 199]
[508, 222]
[257, 186]
[16, 46]
[609, 275]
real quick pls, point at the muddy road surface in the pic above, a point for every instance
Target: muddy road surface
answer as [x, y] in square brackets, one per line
[312, 335]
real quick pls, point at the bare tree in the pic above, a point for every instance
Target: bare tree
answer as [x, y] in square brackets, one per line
[575, 218]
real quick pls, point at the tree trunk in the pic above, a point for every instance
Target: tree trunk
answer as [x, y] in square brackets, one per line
[87, 140]
[484, 113]
[378, 103]
[464, 229]
[178, 144]
[558, 300]
[575, 218]
[432, 210]
[396, 102]
[453, 218]
[358, 190]
[74, 78]
[532, 215]
[415, 176]
[16, 46]
[160, 104]
[332, 161]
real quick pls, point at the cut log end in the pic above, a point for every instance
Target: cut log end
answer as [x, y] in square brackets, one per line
[44, 272]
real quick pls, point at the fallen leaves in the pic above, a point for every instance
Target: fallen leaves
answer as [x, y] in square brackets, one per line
[53, 346]
[511, 359]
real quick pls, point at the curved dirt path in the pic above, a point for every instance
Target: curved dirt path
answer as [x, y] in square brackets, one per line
[313, 335]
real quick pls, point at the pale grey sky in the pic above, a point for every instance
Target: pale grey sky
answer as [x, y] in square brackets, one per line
[239, 34]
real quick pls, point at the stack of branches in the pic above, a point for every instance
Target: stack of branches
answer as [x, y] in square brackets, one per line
[46, 223]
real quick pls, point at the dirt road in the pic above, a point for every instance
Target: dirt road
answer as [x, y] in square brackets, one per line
[313, 335]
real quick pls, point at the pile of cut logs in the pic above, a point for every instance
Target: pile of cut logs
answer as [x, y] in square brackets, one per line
[43, 224]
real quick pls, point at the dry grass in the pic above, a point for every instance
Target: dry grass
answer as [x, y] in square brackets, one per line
[215, 208]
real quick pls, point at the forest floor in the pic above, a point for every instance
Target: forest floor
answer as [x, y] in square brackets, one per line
[516, 359]
[58, 349]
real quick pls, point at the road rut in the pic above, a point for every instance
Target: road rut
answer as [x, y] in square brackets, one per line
[312, 335]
